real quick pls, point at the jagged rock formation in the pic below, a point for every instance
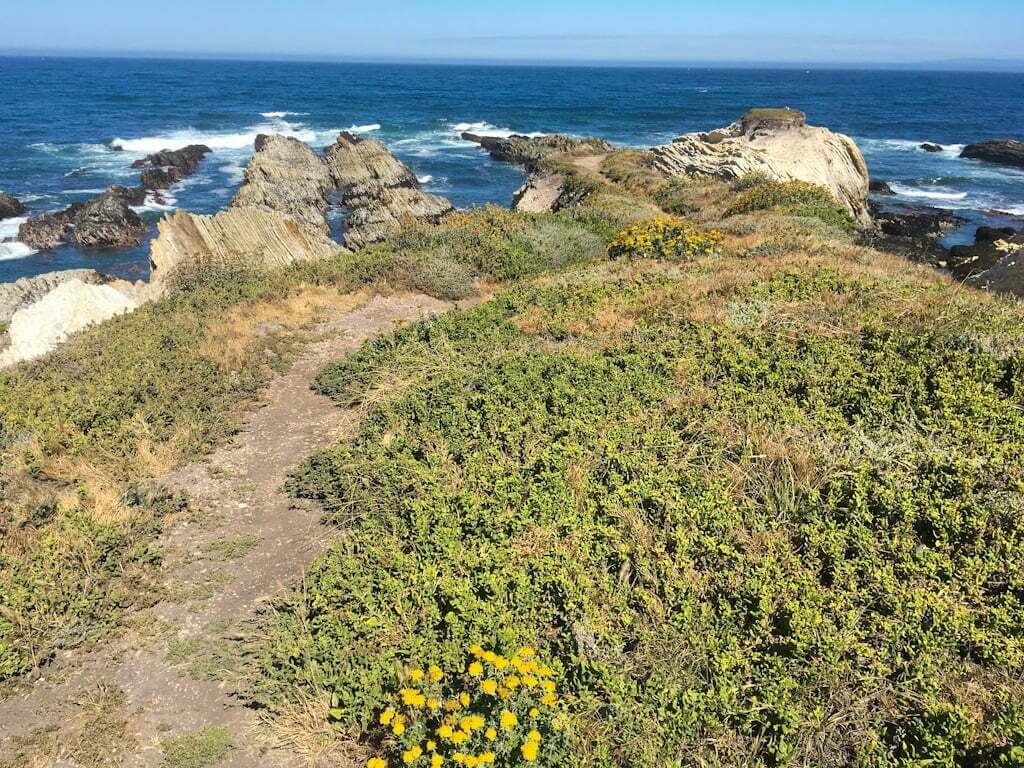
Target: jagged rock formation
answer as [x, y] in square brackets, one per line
[71, 306]
[105, 221]
[1002, 151]
[778, 144]
[879, 187]
[259, 237]
[10, 206]
[381, 193]
[27, 290]
[929, 147]
[164, 168]
[530, 151]
[913, 231]
[992, 245]
[286, 176]
[545, 190]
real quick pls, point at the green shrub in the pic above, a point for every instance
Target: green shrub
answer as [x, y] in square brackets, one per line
[740, 543]
[797, 198]
[663, 238]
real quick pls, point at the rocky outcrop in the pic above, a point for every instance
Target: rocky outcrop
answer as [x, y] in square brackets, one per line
[530, 151]
[547, 192]
[913, 231]
[878, 187]
[258, 237]
[991, 246]
[380, 192]
[927, 147]
[10, 207]
[27, 290]
[286, 176]
[105, 221]
[72, 305]
[162, 169]
[1002, 151]
[780, 145]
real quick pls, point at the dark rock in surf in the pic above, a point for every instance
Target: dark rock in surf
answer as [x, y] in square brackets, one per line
[1002, 151]
[105, 221]
[878, 187]
[931, 147]
[169, 166]
[10, 206]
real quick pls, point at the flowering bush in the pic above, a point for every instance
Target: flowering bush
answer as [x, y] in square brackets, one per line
[665, 237]
[500, 711]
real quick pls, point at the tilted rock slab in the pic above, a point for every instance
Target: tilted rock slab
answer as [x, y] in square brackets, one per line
[259, 237]
[780, 146]
[380, 191]
[27, 290]
[286, 176]
[73, 305]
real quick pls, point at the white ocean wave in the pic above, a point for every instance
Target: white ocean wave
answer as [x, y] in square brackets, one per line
[1013, 210]
[425, 179]
[170, 203]
[928, 193]
[13, 249]
[281, 115]
[370, 128]
[222, 140]
[491, 131]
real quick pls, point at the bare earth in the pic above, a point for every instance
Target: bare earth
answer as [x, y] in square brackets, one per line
[247, 542]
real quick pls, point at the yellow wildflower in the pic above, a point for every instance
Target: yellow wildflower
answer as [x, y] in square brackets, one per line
[431, 745]
[548, 685]
[491, 734]
[549, 699]
[534, 712]
[387, 716]
[434, 674]
[489, 686]
[398, 727]
[529, 681]
[476, 669]
[471, 722]
[508, 719]
[488, 758]
[533, 735]
[526, 652]
[459, 737]
[411, 755]
[416, 674]
[436, 761]
[464, 699]
[412, 698]
[530, 750]
[500, 662]
[445, 732]
[433, 704]
[376, 762]
[477, 651]
[512, 682]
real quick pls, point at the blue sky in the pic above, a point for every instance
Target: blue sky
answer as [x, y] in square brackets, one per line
[868, 31]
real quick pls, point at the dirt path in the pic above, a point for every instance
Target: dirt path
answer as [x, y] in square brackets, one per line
[247, 541]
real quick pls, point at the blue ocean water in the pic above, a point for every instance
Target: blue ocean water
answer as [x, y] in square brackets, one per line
[70, 127]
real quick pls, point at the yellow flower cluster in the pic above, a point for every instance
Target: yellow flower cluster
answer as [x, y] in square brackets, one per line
[433, 724]
[665, 237]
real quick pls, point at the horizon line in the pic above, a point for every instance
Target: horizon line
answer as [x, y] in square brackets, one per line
[977, 65]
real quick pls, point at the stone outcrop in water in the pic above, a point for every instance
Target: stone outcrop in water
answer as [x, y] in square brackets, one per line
[105, 221]
[259, 237]
[380, 192]
[913, 231]
[10, 206]
[1002, 151]
[530, 151]
[779, 144]
[169, 166]
[286, 176]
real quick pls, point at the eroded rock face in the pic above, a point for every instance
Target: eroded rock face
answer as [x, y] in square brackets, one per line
[780, 145]
[164, 168]
[69, 307]
[913, 231]
[381, 193]
[105, 221]
[10, 207]
[529, 151]
[878, 187]
[1002, 151]
[254, 235]
[286, 176]
[991, 246]
[26, 290]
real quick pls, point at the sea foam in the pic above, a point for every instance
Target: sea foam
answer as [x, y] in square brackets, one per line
[931, 193]
[13, 249]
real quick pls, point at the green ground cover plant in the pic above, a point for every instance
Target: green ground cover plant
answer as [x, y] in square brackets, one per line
[758, 512]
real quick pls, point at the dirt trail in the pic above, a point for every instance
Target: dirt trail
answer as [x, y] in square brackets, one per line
[248, 542]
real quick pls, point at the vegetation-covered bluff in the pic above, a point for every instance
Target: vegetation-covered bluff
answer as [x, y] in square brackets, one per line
[696, 478]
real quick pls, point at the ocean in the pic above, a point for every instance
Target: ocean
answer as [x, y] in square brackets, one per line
[69, 127]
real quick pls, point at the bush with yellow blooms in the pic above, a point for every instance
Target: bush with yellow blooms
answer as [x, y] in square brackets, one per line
[498, 711]
[665, 237]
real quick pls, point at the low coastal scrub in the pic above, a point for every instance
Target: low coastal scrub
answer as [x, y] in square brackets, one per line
[796, 198]
[86, 431]
[754, 511]
[663, 238]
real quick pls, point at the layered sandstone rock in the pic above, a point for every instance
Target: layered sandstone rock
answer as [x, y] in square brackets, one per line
[259, 237]
[286, 176]
[68, 308]
[105, 221]
[380, 192]
[530, 151]
[169, 166]
[27, 290]
[780, 145]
